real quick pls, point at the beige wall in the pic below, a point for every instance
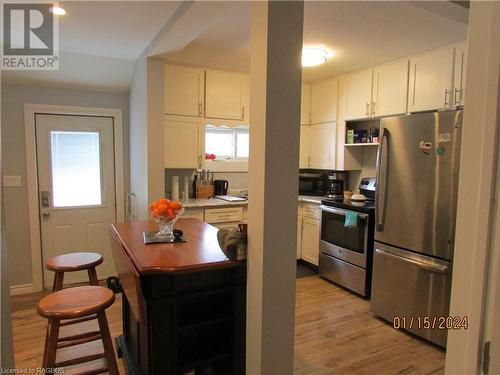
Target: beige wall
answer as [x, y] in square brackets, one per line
[147, 172]
[14, 160]
[139, 137]
[369, 168]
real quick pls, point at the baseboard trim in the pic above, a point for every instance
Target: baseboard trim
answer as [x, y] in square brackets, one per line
[16, 290]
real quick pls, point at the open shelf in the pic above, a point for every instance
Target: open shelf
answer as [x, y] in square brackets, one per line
[361, 144]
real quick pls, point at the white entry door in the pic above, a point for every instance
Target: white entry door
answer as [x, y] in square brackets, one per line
[76, 182]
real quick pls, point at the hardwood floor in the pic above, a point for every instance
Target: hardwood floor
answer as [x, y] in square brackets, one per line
[335, 333]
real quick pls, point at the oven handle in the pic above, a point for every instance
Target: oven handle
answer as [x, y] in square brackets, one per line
[426, 266]
[339, 211]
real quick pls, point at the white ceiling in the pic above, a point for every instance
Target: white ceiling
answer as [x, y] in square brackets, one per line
[100, 40]
[361, 33]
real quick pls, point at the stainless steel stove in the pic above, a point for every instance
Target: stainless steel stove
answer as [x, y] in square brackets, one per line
[346, 243]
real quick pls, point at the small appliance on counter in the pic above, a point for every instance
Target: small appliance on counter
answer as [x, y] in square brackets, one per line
[312, 184]
[335, 184]
[220, 187]
[347, 238]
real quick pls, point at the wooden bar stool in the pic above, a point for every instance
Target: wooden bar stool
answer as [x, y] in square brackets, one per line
[73, 262]
[77, 303]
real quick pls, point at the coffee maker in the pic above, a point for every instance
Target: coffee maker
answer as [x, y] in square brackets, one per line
[336, 182]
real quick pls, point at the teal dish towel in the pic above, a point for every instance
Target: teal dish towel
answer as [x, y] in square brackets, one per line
[351, 219]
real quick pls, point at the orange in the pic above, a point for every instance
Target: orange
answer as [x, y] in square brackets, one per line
[162, 210]
[171, 213]
[176, 205]
[154, 213]
[164, 201]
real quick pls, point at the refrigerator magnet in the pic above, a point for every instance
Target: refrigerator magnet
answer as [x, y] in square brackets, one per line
[444, 137]
[425, 147]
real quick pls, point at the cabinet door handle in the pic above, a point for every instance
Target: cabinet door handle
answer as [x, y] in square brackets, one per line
[446, 92]
[457, 91]
[242, 113]
[199, 161]
[200, 109]
[374, 106]
[367, 109]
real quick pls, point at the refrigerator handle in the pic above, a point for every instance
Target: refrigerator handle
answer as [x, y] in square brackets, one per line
[426, 266]
[381, 177]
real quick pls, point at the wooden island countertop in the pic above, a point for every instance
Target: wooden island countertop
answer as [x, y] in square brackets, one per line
[200, 252]
[184, 304]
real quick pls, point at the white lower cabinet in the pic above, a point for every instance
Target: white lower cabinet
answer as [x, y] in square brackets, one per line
[310, 240]
[222, 218]
[193, 214]
[308, 232]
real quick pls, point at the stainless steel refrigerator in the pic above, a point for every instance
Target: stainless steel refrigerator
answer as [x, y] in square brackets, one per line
[417, 182]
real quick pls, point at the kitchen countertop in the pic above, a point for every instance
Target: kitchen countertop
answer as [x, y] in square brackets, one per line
[200, 252]
[214, 202]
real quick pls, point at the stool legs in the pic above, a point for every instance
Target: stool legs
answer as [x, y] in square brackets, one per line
[52, 343]
[107, 343]
[93, 276]
[58, 281]
[49, 353]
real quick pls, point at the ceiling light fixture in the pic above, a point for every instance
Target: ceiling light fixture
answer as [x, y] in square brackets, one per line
[58, 11]
[314, 56]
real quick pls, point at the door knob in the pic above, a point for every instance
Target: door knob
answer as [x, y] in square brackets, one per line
[46, 215]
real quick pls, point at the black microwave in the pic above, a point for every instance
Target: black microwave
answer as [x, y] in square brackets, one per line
[312, 184]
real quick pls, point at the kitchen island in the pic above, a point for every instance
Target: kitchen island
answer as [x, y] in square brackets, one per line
[184, 304]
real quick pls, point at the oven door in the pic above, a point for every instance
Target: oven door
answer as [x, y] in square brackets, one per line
[347, 243]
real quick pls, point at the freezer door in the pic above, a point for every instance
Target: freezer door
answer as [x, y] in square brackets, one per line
[417, 182]
[412, 292]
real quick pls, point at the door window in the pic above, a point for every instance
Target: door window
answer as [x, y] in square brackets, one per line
[76, 168]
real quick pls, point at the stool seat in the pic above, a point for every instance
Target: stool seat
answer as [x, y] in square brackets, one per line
[74, 262]
[75, 302]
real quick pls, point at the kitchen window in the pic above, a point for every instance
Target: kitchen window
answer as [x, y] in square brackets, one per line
[226, 144]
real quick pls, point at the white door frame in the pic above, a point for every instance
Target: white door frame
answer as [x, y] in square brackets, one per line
[30, 110]
[476, 189]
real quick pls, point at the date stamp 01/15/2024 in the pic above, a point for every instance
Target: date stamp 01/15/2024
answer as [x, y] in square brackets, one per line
[431, 322]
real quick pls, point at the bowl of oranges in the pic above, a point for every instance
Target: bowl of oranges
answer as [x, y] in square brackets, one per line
[165, 213]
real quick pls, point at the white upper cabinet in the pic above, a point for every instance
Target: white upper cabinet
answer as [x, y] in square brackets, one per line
[356, 92]
[431, 79]
[305, 104]
[225, 95]
[459, 76]
[322, 145]
[183, 143]
[184, 91]
[390, 89]
[324, 97]
[304, 147]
